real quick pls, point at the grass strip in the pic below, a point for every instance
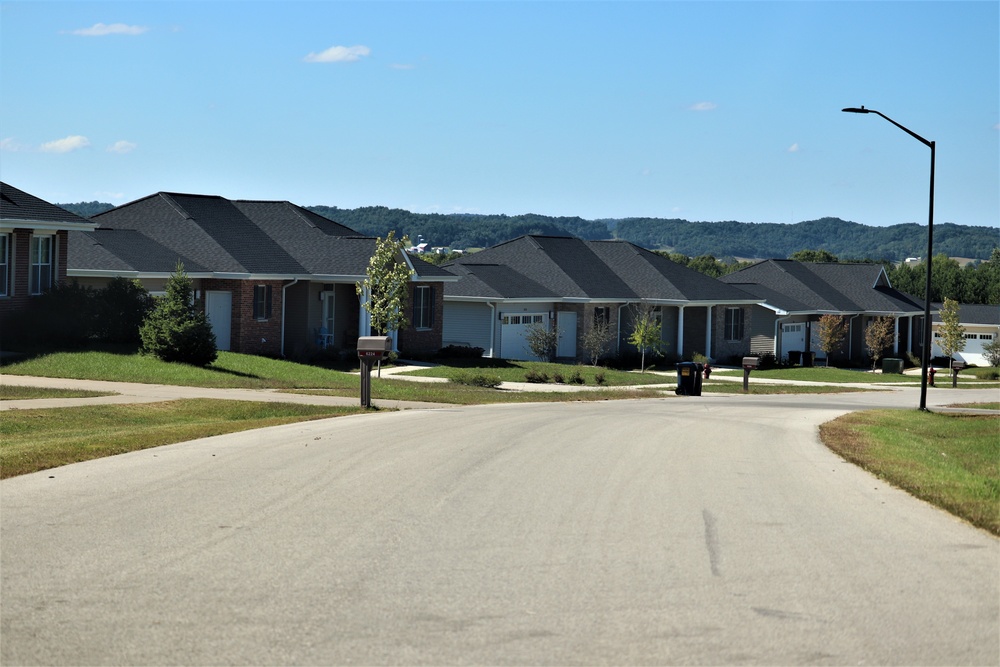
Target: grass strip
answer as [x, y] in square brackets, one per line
[517, 371]
[32, 440]
[16, 393]
[952, 461]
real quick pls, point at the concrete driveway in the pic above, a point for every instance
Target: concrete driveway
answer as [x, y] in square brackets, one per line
[711, 530]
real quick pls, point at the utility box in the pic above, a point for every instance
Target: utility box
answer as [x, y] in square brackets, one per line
[689, 378]
[374, 347]
[892, 366]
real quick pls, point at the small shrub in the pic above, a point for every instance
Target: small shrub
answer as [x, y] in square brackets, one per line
[600, 379]
[485, 380]
[558, 378]
[766, 361]
[536, 377]
[460, 352]
[699, 358]
[576, 378]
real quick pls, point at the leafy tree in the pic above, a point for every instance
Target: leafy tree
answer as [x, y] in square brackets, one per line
[813, 256]
[879, 336]
[830, 332]
[596, 341]
[175, 330]
[646, 333]
[992, 350]
[952, 332]
[384, 288]
[542, 340]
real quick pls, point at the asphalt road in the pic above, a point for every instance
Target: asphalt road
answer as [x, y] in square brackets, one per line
[712, 530]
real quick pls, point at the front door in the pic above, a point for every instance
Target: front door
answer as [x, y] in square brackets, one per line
[566, 323]
[219, 311]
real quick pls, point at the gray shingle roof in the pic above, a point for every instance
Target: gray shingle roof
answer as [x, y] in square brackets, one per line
[17, 205]
[972, 313]
[571, 268]
[213, 234]
[793, 286]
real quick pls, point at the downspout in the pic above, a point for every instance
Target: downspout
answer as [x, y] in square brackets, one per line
[284, 300]
[708, 332]
[680, 332]
[493, 329]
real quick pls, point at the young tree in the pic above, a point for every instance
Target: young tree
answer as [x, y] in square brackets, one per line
[646, 332]
[952, 338]
[879, 337]
[830, 332]
[383, 291]
[596, 340]
[542, 340]
[175, 330]
[992, 350]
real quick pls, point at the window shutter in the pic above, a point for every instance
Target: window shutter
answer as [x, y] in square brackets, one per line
[430, 307]
[267, 303]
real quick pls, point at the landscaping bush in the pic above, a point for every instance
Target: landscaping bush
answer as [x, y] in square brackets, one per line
[477, 380]
[120, 309]
[62, 317]
[460, 352]
[600, 378]
[558, 378]
[536, 377]
[577, 378]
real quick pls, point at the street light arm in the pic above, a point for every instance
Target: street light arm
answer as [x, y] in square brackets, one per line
[910, 132]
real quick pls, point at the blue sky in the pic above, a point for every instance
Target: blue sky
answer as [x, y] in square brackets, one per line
[698, 110]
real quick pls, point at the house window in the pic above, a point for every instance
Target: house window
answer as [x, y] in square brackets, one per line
[423, 307]
[262, 302]
[602, 315]
[41, 264]
[4, 264]
[734, 324]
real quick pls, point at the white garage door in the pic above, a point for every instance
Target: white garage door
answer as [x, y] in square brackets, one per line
[793, 338]
[513, 335]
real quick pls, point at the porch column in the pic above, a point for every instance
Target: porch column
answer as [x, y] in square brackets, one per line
[680, 332]
[708, 331]
[364, 319]
[895, 340]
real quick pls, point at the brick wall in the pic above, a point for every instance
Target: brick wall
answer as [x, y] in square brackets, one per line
[249, 335]
[20, 259]
[414, 341]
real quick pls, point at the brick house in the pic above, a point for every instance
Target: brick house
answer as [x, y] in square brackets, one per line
[273, 278]
[33, 247]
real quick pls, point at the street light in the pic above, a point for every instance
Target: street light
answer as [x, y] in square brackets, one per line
[925, 353]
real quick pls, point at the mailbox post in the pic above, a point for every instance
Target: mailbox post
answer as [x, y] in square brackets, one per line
[956, 366]
[749, 364]
[370, 350]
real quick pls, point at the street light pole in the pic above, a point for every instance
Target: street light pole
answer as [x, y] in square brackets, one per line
[925, 352]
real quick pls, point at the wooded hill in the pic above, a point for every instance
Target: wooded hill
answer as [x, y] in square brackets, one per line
[846, 240]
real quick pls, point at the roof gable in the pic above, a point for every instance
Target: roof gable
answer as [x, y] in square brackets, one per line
[19, 207]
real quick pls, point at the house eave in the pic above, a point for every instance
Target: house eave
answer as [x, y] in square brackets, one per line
[8, 225]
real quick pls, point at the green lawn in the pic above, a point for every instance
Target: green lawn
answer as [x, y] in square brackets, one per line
[32, 440]
[952, 461]
[14, 393]
[517, 371]
[823, 374]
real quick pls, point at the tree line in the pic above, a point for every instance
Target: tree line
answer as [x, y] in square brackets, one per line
[727, 239]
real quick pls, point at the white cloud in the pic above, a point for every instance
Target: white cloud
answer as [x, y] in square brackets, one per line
[794, 148]
[339, 54]
[71, 143]
[10, 145]
[103, 29]
[702, 106]
[122, 147]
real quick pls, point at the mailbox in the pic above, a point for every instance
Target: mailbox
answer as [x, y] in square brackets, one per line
[374, 347]
[749, 364]
[958, 365]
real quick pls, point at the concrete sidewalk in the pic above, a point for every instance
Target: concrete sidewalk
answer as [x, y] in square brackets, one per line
[135, 392]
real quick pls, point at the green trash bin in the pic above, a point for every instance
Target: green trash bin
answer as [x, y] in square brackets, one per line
[892, 366]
